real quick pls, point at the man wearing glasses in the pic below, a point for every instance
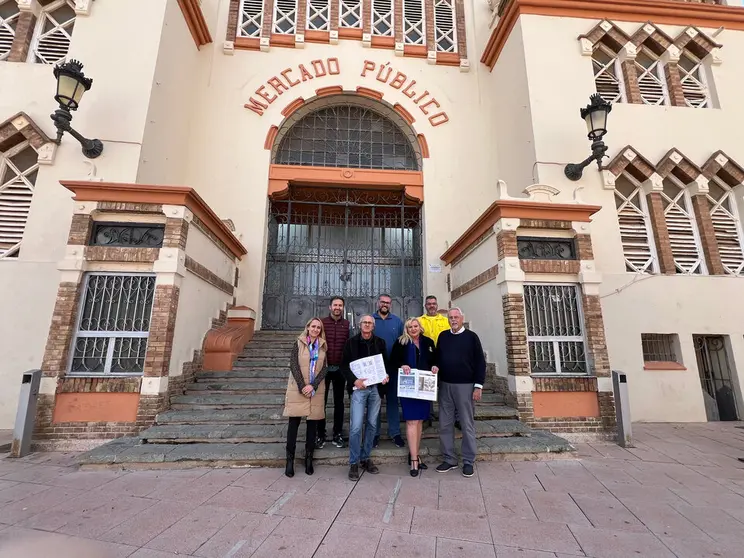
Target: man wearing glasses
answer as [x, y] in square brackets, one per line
[362, 345]
[389, 327]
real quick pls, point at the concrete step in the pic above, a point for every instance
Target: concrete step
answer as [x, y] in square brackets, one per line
[243, 375]
[237, 388]
[273, 415]
[262, 362]
[132, 453]
[276, 433]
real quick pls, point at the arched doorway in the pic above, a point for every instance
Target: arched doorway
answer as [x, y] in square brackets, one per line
[347, 238]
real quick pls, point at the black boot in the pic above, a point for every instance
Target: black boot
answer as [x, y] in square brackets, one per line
[289, 469]
[309, 463]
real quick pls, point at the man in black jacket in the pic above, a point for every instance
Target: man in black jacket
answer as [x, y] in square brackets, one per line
[363, 345]
[462, 371]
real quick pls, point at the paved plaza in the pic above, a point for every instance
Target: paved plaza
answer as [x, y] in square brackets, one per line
[680, 493]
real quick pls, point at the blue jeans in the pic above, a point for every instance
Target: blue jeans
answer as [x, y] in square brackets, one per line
[393, 412]
[362, 399]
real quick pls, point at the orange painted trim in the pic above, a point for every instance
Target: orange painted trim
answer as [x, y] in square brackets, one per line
[659, 11]
[85, 190]
[350, 33]
[517, 209]
[222, 345]
[95, 407]
[448, 59]
[332, 90]
[279, 40]
[565, 404]
[293, 106]
[246, 43]
[270, 137]
[663, 365]
[407, 116]
[280, 177]
[317, 36]
[424, 145]
[371, 93]
[383, 42]
[195, 21]
[415, 51]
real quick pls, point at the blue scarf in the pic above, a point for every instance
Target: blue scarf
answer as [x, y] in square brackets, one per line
[314, 350]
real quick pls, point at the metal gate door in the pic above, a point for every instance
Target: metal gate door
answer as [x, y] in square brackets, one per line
[715, 375]
[354, 243]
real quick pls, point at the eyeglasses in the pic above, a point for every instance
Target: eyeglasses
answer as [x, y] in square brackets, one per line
[385, 303]
[367, 323]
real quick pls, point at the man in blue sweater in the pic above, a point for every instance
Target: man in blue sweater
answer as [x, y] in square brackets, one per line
[389, 327]
[462, 371]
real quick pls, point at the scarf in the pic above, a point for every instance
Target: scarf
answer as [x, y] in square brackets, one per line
[314, 350]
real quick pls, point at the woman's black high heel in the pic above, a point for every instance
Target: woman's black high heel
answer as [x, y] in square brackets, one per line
[414, 472]
[422, 465]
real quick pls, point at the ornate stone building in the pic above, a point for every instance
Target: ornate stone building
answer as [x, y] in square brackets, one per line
[260, 156]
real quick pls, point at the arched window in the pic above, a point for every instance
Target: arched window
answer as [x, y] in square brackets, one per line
[350, 136]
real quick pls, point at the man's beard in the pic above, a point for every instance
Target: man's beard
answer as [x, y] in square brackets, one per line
[336, 312]
[384, 311]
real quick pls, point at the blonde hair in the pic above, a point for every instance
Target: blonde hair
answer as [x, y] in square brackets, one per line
[306, 332]
[405, 339]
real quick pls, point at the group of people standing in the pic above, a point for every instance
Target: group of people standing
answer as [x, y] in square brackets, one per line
[321, 359]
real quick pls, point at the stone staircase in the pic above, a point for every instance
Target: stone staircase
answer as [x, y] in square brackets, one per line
[234, 418]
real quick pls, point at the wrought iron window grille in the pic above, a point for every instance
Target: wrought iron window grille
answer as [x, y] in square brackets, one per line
[546, 248]
[135, 235]
[658, 347]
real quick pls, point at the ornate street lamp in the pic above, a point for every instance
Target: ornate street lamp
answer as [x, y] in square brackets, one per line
[595, 116]
[71, 84]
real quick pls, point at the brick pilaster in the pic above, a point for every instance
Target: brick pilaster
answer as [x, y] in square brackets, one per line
[584, 247]
[506, 245]
[661, 234]
[232, 20]
[398, 20]
[162, 326]
[674, 84]
[24, 32]
[630, 77]
[301, 17]
[80, 230]
[429, 24]
[462, 43]
[595, 336]
[334, 16]
[176, 233]
[268, 19]
[704, 221]
[367, 17]
[61, 330]
[515, 331]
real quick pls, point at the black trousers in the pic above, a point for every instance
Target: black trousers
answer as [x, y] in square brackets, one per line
[336, 379]
[294, 425]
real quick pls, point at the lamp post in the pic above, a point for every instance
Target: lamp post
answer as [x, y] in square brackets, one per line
[71, 84]
[595, 116]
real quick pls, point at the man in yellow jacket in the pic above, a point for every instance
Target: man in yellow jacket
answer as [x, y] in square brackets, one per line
[433, 323]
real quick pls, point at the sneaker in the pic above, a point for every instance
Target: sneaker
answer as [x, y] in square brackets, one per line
[444, 467]
[320, 441]
[376, 442]
[467, 470]
[398, 441]
[338, 441]
[370, 467]
[354, 472]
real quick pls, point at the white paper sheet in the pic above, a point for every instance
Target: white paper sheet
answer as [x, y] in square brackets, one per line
[371, 369]
[419, 384]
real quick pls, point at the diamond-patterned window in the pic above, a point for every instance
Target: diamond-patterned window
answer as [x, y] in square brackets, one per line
[651, 80]
[444, 26]
[382, 18]
[8, 20]
[635, 225]
[319, 15]
[608, 75]
[350, 14]
[18, 169]
[680, 221]
[53, 33]
[285, 17]
[414, 30]
[347, 136]
[694, 83]
[726, 226]
[250, 19]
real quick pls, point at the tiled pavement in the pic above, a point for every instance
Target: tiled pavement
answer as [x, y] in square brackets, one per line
[680, 493]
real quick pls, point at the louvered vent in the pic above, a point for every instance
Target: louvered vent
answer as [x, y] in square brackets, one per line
[727, 227]
[694, 86]
[18, 169]
[607, 74]
[251, 18]
[635, 226]
[318, 15]
[8, 20]
[650, 78]
[444, 26]
[382, 18]
[680, 222]
[285, 17]
[413, 22]
[350, 14]
[54, 32]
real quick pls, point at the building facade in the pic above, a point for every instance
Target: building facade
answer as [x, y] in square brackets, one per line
[263, 155]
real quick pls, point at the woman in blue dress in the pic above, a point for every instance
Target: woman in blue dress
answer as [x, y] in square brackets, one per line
[414, 350]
